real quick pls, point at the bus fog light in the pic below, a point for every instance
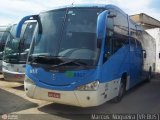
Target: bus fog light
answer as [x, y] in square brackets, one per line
[93, 86]
[28, 80]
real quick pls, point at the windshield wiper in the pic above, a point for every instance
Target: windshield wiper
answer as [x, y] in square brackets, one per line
[56, 61]
[76, 62]
[45, 58]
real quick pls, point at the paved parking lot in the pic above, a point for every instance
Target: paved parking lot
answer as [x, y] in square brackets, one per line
[144, 98]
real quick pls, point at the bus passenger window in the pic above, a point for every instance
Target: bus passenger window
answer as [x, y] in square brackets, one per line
[108, 41]
[108, 45]
[132, 41]
[119, 43]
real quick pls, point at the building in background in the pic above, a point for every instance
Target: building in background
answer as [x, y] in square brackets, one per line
[152, 26]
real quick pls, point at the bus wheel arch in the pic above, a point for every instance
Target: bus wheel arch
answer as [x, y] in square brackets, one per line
[122, 88]
[125, 79]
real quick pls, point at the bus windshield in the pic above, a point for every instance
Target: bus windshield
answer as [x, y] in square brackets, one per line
[1, 34]
[1, 42]
[68, 33]
[16, 50]
[1, 48]
[11, 45]
[4, 33]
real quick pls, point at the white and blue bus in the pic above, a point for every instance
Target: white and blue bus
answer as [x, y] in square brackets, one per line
[85, 55]
[4, 33]
[15, 52]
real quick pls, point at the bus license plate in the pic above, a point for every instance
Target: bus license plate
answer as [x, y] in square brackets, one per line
[54, 95]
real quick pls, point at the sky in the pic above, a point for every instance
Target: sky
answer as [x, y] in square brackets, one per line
[11, 11]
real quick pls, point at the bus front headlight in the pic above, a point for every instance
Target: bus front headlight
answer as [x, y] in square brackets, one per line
[28, 80]
[93, 86]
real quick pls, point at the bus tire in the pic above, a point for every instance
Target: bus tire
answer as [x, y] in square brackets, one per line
[121, 92]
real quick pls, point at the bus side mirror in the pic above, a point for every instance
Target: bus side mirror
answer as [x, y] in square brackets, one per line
[159, 55]
[101, 27]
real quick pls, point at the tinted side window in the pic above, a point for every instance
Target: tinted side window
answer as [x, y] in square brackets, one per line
[110, 23]
[108, 39]
[119, 41]
[4, 37]
[133, 41]
[115, 41]
[109, 35]
[121, 24]
[23, 29]
[29, 32]
[1, 34]
[27, 37]
[138, 43]
[121, 20]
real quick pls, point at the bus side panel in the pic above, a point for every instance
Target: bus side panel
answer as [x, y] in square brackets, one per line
[136, 63]
[114, 67]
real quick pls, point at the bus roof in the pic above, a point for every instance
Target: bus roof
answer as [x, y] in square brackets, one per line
[105, 6]
[3, 28]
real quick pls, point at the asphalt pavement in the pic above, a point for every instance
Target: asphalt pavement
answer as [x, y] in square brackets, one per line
[144, 98]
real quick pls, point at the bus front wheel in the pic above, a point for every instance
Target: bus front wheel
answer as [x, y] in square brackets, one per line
[121, 92]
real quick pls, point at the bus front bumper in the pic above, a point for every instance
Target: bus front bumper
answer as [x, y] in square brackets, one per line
[74, 98]
[13, 76]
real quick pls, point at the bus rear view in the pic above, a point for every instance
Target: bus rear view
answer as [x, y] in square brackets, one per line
[83, 55]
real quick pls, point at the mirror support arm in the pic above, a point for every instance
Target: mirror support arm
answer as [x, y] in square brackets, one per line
[23, 20]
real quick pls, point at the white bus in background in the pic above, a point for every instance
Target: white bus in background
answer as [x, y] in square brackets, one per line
[4, 32]
[16, 51]
[155, 33]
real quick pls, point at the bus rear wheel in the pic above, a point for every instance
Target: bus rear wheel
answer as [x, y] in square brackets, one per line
[122, 90]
